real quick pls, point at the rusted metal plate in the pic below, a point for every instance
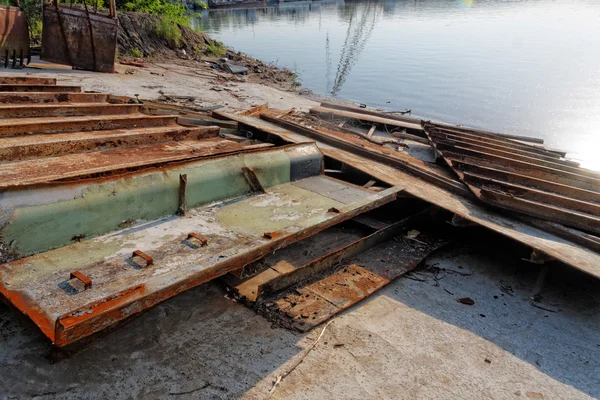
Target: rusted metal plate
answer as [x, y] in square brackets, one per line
[37, 285]
[249, 284]
[40, 88]
[326, 262]
[27, 126]
[62, 110]
[32, 146]
[560, 246]
[367, 269]
[568, 196]
[81, 165]
[73, 36]
[47, 97]
[14, 37]
[26, 80]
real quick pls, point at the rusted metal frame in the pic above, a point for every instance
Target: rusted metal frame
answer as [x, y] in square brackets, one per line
[92, 318]
[65, 110]
[509, 159]
[410, 127]
[446, 183]
[539, 210]
[51, 98]
[427, 125]
[528, 193]
[253, 180]
[57, 144]
[328, 261]
[467, 168]
[26, 126]
[40, 88]
[498, 149]
[26, 80]
[491, 140]
[522, 168]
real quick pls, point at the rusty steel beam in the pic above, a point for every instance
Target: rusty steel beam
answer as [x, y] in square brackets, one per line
[328, 261]
[516, 160]
[489, 137]
[527, 193]
[527, 169]
[65, 110]
[466, 168]
[27, 126]
[46, 98]
[33, 146]
[553, 213]
[406, 165]
[26, 80]
[40, 88]
[113, 161]
[500, 149]
[516, 139]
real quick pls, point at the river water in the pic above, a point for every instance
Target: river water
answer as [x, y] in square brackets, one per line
[523, 67]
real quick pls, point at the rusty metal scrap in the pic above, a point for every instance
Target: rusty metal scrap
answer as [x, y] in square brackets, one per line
[521, 177]
[570, 246]
[14, 37]
[78, 37]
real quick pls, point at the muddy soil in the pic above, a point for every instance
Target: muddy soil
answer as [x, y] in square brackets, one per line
[138, 37]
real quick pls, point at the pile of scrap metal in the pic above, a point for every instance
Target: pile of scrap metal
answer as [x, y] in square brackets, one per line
[553, 203]
[109, 207]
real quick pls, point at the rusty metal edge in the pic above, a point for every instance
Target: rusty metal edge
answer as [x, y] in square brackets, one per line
[326, 262]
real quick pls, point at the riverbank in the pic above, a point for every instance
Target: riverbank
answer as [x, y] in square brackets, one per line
[410, 340]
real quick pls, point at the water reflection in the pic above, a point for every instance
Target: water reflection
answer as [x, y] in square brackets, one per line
[529, 67]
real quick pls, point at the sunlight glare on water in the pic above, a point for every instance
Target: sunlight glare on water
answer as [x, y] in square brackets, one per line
[523, 67]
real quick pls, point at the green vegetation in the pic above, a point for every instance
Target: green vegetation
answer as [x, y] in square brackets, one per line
[136, 53]
[217, 49]
[171, 12]
[295, 77]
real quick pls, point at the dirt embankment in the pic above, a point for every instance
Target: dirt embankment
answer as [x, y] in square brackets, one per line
[138, 38]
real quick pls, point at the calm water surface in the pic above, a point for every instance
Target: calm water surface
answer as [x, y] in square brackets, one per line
[526, 67]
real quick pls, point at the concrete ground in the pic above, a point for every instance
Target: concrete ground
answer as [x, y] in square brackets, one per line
[411, 340]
